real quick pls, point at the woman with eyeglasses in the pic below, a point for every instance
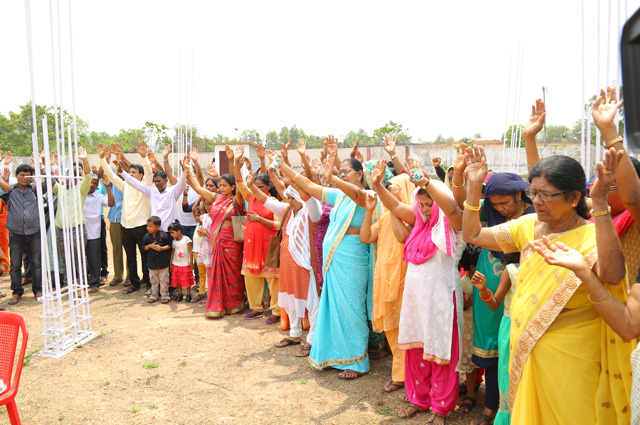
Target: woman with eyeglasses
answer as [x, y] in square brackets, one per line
[342, 333]
[567, 365]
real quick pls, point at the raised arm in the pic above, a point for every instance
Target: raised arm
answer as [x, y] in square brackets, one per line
[194, 159]
[104, 164]
[604, 112]
[277, 183]
[115, 148]
[167, 166]
[472, 231]
[531, 130]
[390, 202]
[111, 201]
[369, 233]
[459, 182]
[302, 147]
[237, 174]
[355, 153]
[260, 153]
[610, 266]
[479, 281]
[400, 230]
[352, 191]
[440, 172]
[139, 186]
[307, 185]
[390, 148]
[195, 185]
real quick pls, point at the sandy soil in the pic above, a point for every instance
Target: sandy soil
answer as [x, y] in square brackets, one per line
[208, 372]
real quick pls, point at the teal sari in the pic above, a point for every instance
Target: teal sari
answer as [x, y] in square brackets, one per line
[342, 331]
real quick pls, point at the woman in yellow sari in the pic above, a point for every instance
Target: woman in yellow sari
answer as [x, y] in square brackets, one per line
[567, 365]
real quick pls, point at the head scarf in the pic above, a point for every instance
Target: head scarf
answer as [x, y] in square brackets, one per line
[502, 184]
[368, 169]
[404, 181]
[298, 231]
[429, 235]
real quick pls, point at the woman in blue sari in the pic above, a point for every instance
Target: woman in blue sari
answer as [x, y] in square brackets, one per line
[342, 332]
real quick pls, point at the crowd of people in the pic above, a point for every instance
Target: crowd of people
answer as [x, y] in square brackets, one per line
[525, 285]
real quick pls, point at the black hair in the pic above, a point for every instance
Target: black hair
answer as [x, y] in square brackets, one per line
[78, 167]
[511, 258]
[635, 162]
[230, 180]
[567, 175]
[213, 179]
[160, 174]
[264, 178]
[155, 220]
[138, 167]
[355, 165]
[470, 256]
[392, 168]
[25, 168]
[175, 226]
[424, 193]
[196, 209]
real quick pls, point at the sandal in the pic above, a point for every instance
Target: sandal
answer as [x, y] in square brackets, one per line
[198, 298]
[345, 374]
[286, 342]
[272, 320]
[484, 419]
[165, 301]
[466, 407]
[151, 300]
[462, 388]
[377, 355]
[405, 414]
[15, 299]
[129, 290]
[435, 416]
[94, 289]
[147, 293]
[301, 352]
[253, 315]
[392, 386]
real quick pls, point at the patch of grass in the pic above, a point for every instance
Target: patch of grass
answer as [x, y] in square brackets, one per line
[75, 363]
[27, 357]
[61, 417]
[153, 406]
[106, 383]
[134, 410]
[384, 411]
[151, 365]
[303, 381]
[103, 333]
[80, 345]
[3, 409]
[182, 363]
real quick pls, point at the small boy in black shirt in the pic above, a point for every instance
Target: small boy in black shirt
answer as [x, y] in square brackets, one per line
[157, 245]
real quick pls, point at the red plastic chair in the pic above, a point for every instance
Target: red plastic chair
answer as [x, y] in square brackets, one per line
[10, 324]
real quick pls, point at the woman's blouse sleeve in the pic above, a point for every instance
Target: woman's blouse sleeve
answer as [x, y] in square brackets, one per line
[276, 207]
[330, 195]
[512, 235]
[313, 208]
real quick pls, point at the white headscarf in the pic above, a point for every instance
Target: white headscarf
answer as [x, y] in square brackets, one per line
[298, 232]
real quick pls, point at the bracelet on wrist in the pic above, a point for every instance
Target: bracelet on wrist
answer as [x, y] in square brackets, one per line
[239, 181]
[471, 207]
[293, 179]
[490, 296]
[394, 156]
[453, 183]
[600, 302]
[613, 142]
[334, 180]
[600, 213]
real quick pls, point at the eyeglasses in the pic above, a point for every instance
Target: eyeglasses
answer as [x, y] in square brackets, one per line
[345, 172]
[544, 196]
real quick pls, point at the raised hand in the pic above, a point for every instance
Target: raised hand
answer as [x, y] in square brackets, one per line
[459, 162]
[390, 144]
[105, 180]
[331, 145]
[212, 171]
[101, 150]
[605, 108]
[354, 150]
[194, 155]
[558, 254]
[186, 165]
[152, 157]
[302, 146]
[605, 174]
[166, 151]
[260, 151]
[251, 177]
[436, 161]
[323, 152]
[285, 150]
[118, 166]
[479, 281]
[82, 154]
[247, 162]
[327, 167]
[536, 119]
[142, 149]
[371, 201]
[476, 161]
[6, 173]
[8, 158]
[229, 152]
[377, 175]
[270, 154]
[53, 157]
[239, 153]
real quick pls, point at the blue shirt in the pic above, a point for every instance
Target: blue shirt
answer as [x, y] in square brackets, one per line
[115, 212]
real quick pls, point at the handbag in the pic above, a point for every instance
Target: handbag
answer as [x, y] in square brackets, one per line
[273, 254]
[239, 222]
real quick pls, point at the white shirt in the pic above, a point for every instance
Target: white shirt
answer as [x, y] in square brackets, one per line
[135, 206]
[186, 218]
[163, 204]
[181, 251]
[93, 212]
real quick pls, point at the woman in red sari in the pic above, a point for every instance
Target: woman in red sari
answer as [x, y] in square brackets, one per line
[225, 282]
[261, 225]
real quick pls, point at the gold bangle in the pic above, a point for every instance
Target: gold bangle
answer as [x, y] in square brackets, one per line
[600, 302]
[293, 179]
[600, 213]
[531, 165]
[394, 156]
[334, 180]
[472, 208]
[453, 183]
[613, 142]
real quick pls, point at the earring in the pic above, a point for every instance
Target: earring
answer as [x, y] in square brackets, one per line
[574, 205]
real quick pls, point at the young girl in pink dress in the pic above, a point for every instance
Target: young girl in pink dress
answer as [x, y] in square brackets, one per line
[181, 261]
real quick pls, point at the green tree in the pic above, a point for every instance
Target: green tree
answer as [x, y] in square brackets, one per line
[271, 140]
[391, 128]
[513, 128]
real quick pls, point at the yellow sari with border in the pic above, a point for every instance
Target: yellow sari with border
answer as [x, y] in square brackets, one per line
[567, 365]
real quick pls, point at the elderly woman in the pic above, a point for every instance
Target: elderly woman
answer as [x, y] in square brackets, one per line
[297, 291]
[567, 366]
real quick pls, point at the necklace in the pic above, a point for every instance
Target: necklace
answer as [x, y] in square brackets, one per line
[545, 227]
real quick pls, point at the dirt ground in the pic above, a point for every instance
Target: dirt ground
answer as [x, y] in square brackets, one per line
[223, 371]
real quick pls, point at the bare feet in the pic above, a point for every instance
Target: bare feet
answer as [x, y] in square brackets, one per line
[350, 374]
[393, 386]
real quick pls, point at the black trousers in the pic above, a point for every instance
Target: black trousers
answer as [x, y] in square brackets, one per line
[18, 245]
[132, 238]
[104, 251]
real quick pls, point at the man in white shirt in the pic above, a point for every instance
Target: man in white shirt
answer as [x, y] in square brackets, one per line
[93, 220]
